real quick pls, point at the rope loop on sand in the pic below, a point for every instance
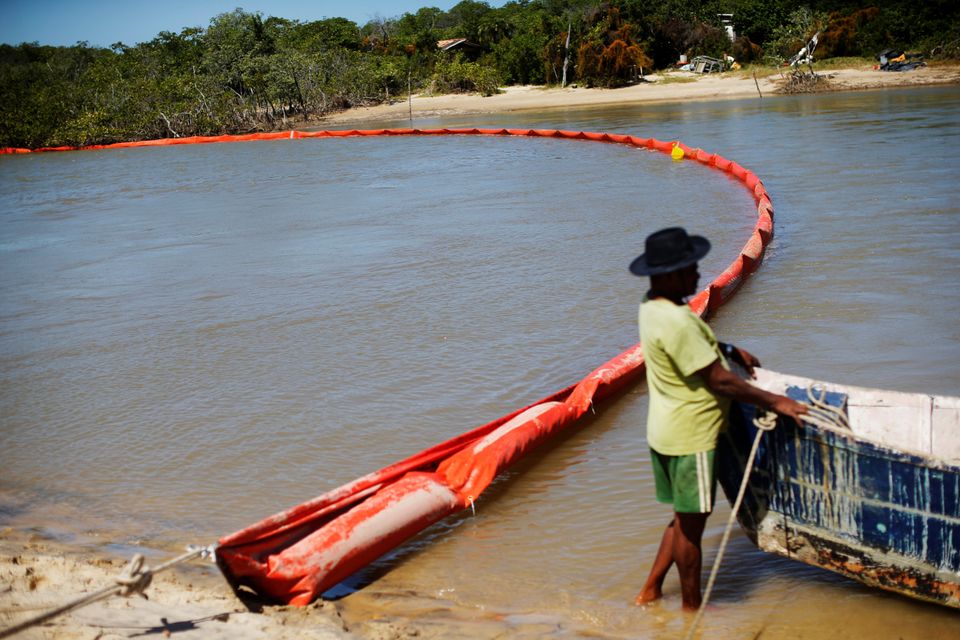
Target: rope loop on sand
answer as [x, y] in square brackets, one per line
[134, 579]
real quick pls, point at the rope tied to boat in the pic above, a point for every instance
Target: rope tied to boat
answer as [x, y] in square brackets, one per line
[824, 415]
[134, 579]
[763, 423]
[766, 422]
[820, 414]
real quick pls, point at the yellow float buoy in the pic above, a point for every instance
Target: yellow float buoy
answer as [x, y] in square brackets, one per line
[676, 153]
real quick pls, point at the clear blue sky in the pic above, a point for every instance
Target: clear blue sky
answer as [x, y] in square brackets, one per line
[104, 22]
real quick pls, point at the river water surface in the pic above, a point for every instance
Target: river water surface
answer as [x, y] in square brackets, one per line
[192, 338]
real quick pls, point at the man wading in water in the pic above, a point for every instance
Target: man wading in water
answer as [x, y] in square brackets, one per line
[690, 386]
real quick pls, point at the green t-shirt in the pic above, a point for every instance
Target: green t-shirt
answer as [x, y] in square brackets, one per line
[685, 416]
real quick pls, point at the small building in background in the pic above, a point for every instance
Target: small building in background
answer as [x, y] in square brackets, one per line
[470, 50]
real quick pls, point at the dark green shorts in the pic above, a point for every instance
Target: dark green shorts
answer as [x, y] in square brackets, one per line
[687, 482]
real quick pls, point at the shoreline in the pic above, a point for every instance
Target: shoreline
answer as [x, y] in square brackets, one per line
[192, 600]
[671, 87]
[40, 572]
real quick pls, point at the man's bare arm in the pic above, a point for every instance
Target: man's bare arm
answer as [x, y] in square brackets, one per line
[725, 383]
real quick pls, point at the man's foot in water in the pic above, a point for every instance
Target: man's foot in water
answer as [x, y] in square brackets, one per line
[647, 596]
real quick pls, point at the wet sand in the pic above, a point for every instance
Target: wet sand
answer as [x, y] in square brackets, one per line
[192, 601]
[672, 87]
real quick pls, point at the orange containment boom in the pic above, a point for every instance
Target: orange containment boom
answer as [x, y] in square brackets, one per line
[296, 555]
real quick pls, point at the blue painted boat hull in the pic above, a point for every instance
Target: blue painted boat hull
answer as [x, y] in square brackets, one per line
[885, 517]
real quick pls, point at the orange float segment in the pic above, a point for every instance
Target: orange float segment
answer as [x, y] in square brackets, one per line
[737, 171]
[764, 206]
[329, 554]
[473, 468]
[721, 163]
[700, 302]
[713, 298]
[704, 157]
[752, 252]
[596, 137]
[663, 146]
[727, 283]
[607, 380]
[765, 226]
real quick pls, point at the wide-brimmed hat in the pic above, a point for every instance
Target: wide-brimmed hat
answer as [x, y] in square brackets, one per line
[668, 250]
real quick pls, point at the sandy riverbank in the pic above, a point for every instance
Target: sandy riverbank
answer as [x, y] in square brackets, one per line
[673, 87]
[192, 601]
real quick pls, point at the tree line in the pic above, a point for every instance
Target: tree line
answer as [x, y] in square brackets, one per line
[246, 71]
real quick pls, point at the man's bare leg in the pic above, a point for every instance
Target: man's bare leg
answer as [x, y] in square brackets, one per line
[653, 588]
[688, 531]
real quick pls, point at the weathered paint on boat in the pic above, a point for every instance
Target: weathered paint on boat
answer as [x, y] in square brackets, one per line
[879, 503]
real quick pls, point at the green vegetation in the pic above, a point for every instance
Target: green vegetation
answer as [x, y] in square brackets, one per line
[247, 72]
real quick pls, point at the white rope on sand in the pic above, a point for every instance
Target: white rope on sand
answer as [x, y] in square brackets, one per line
[134, 579]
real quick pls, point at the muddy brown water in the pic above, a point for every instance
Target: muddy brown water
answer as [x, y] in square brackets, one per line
[193, 338]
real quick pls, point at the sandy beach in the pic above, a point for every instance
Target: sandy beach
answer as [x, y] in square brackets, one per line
[672, 87]
[38, 573]
[193, 601]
